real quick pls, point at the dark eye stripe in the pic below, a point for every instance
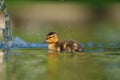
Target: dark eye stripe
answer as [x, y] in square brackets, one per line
[50, 37]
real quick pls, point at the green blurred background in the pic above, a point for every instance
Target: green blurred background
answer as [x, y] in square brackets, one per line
[81, 20]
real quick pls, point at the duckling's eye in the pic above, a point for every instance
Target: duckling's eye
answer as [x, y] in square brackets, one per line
[50, 37]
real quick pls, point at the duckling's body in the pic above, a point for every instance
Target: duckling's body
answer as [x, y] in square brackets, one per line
[70, 46]
[56, 45]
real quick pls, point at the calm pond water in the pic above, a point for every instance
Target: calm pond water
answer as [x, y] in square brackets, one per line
[41, 65]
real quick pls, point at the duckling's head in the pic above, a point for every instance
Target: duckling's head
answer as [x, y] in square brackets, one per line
[52, 38]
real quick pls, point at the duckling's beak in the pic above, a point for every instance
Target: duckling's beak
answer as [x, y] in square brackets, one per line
[45, 42]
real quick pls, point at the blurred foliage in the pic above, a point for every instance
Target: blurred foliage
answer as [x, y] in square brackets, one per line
[72, 0]
[100, 30]
[94, 3]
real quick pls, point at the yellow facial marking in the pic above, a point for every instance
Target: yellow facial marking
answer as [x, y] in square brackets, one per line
[52, 38]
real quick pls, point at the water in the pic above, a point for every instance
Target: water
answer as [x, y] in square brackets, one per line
[39, 65]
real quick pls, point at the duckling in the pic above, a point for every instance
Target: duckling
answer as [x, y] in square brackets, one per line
[61, 46]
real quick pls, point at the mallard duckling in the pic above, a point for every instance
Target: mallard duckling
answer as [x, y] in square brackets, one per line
[56, 45]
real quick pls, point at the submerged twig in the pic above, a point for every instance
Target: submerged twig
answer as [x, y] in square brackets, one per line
[7, 32]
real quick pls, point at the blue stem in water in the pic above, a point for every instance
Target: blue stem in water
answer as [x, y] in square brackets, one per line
[7, 32]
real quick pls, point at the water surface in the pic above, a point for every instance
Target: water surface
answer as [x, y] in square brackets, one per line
[41, 65]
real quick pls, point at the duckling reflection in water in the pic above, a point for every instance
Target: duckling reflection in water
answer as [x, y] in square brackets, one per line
[62, 46]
